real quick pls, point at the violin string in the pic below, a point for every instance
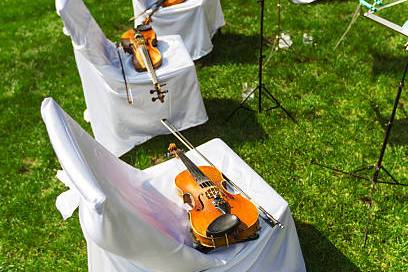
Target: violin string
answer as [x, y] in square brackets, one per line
[193, 169]
[184, 140]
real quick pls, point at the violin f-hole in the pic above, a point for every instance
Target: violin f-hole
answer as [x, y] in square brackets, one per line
[189, 200]
[200, 201]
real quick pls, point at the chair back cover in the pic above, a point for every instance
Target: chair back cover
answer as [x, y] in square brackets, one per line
[120, 211]
[196, 21]
[117, 125]
[133, 219]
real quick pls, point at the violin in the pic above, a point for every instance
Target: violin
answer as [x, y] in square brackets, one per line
[141, 42]
[142, 36]
[168, 3]
[217, 217]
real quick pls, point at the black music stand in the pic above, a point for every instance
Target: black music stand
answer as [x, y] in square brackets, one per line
[378, 166]
[261, 87]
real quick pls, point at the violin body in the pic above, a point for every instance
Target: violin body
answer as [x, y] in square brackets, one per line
[130, 45]
[211, 227]
[142, 44]
[168, 3]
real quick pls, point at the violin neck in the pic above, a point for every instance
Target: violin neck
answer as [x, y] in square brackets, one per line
[197, 174]
[148, 62]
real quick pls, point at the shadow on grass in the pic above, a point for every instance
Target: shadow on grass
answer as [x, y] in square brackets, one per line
[319, 253]
[232, 48]
[385, 64]
[21, 113]
[243, 127]
[399, 130]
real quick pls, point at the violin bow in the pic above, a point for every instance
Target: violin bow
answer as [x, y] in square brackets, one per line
[268, 218]
[156, 6]
[128, 94]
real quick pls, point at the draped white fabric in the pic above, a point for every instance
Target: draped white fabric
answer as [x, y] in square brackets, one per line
[133, 219]
[196, 21]
[117, 125]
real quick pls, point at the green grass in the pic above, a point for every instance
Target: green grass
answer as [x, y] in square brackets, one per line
[341, 100]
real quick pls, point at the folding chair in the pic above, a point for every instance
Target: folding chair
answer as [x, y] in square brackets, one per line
[196, 21]
[133, 220]
[117, 125]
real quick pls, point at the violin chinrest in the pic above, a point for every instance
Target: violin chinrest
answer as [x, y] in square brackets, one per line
[225, 223]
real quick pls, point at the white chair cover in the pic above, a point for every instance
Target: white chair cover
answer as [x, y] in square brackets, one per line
[303, 1]
[196, 21]
[133, 219]
[117, 125]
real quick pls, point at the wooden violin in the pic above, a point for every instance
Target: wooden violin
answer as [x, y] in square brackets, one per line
[141, 42]
[168, 3]
[144, 37]
[217, 217]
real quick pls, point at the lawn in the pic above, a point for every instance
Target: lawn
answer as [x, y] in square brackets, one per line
[341, 100]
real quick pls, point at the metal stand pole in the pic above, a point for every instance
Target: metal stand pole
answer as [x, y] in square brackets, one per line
[261, 87]
[278, 34]
[379, 164]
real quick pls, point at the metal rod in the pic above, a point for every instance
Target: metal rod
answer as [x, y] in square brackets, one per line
[260, 88]
[261, 56]
[352, 174]
[391, 4]
[279, 17]
[386, 23]
[268, 217]
[389, 127]
[352, 21]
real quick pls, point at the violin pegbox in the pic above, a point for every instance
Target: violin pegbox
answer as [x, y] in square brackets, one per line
[172, 150]
[160, 93]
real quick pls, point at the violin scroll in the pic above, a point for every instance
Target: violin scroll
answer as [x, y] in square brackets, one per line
[172, 150]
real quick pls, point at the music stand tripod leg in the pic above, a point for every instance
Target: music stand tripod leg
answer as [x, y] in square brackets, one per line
[389, 174]
[241, 104]
[369, 167]
[378, 166]
[278, 104]
[260, 87]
